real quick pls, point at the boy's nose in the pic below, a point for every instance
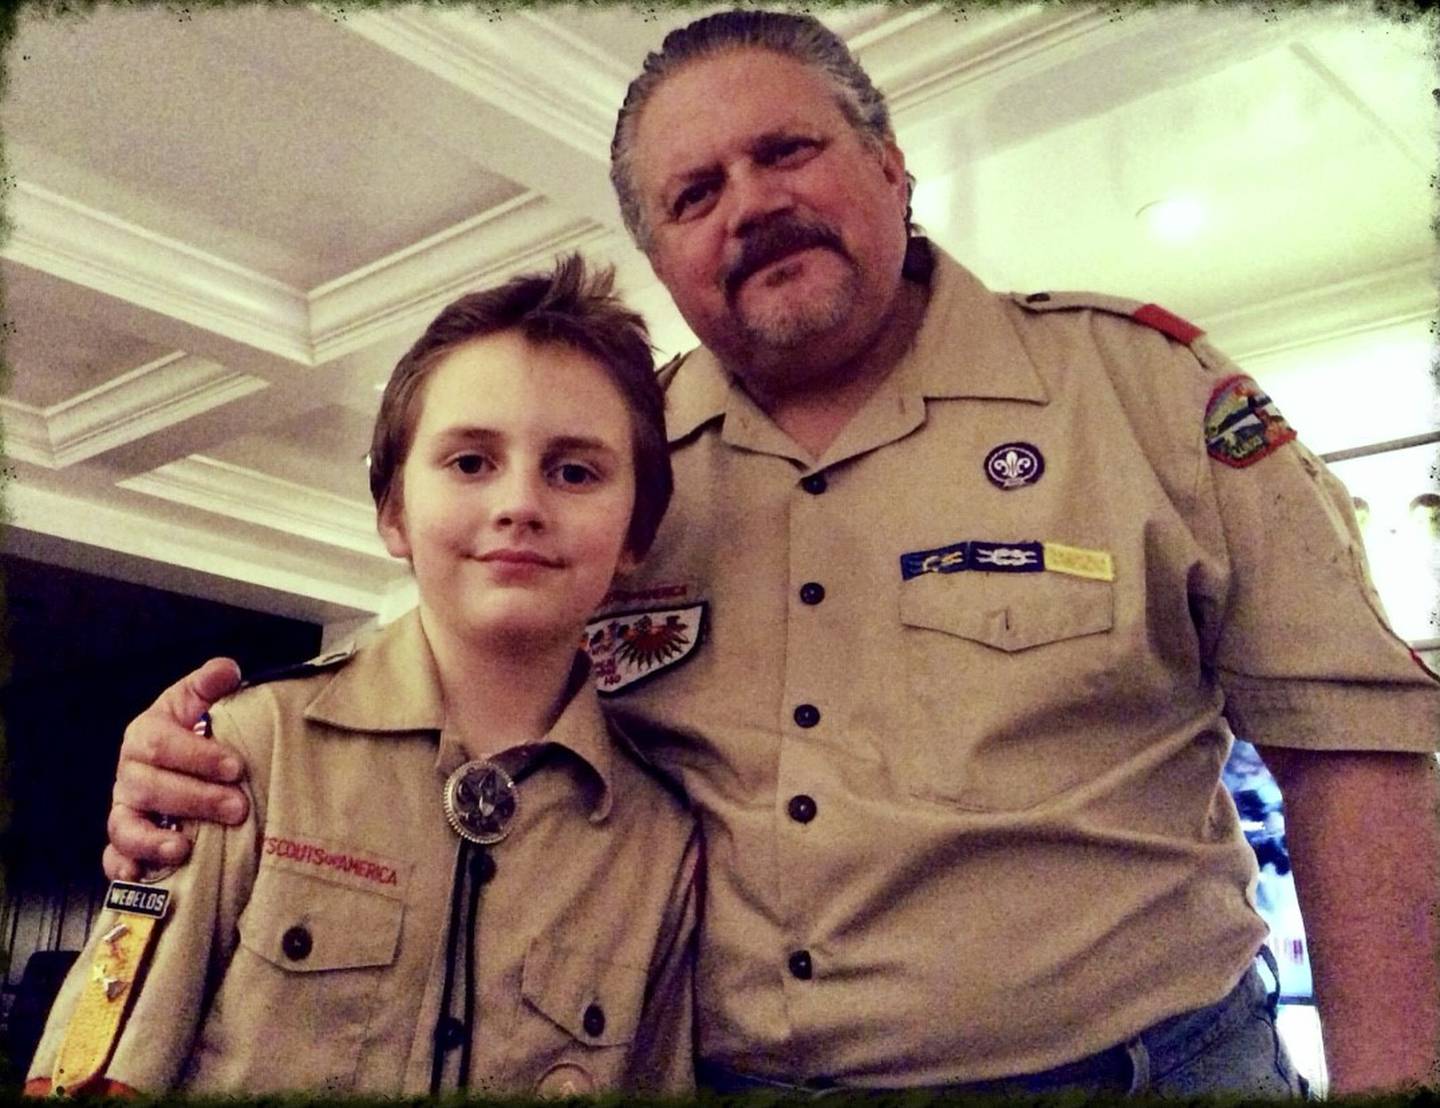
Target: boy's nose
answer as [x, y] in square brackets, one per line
[520, 502]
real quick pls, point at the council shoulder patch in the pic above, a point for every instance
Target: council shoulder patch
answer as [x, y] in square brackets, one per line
[628, 647]
[1242, 424]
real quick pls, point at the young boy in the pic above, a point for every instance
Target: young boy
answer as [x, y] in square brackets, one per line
[453, 873]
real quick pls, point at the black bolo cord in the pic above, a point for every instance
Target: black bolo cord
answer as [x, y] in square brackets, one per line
[437, 1053]
[480, 863]
[479, 867]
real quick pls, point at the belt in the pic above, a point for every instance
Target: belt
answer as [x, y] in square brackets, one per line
[1122, 1068]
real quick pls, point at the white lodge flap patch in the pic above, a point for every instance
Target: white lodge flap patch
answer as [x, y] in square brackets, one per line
[627, 647]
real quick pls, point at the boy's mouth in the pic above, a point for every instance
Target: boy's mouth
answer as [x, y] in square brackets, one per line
[514, 555]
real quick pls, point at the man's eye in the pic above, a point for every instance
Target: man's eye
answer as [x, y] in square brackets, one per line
[690, 198]
[791, 151]
[573, 473]
[469, 464]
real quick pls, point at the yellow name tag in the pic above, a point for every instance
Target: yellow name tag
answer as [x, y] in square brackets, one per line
[1094, 564]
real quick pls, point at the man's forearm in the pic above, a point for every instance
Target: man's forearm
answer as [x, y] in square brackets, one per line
[1365, 845]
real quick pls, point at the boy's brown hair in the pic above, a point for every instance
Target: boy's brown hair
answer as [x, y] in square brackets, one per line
[569, 306]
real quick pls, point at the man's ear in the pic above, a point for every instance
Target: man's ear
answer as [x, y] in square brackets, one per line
[390, 522]
[892, 162]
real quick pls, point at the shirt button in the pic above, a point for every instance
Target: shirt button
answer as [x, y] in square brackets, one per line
[594, 1020]
[449, 1033]
[482, 868]
[297, 944]
[812, 592]
[815, 484]
[800, 966]
[801, 808]
[807, 715]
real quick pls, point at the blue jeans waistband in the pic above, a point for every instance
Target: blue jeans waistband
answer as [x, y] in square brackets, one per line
[1127, 1067]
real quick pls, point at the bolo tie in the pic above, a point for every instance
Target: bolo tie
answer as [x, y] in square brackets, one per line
[480, 800]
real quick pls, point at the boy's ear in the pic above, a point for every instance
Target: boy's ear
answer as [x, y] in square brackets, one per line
[390, 522]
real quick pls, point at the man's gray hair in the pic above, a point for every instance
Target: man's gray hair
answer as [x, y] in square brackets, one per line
[801, 37]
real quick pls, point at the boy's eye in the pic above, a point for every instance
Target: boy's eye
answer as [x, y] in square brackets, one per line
[469, 464]
[573, 473]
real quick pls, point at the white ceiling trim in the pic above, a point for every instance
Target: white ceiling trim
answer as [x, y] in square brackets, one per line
[241, 493]
[95, 523]
[1412, 148]
[1399, 294]
[926, 59]
[159, 394]
[400, 293]
[92, 248]
[27, 435]
[527, 67]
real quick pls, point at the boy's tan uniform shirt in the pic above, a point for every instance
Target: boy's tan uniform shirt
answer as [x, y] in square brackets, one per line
[591, 908]
[969, 824]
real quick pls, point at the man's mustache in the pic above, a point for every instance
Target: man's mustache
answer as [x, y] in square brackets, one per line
[775, 239]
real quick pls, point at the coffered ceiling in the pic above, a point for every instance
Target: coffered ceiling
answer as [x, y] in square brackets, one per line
[228, 222]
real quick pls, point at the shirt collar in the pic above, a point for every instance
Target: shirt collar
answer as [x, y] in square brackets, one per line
[391, 687]
[967, 347]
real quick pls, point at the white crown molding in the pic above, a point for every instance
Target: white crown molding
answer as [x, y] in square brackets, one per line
[157, 395]
[237, 492]
[1398, 294]
[402, 291]
[922, 57]
[92, 248]
[526, 64]
[27, 435]
[92, 522]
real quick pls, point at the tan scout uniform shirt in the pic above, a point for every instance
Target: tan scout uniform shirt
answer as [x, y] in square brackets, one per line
[970, 824]
[591, 907]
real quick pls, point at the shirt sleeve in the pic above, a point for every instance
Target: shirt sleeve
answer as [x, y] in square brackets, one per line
[188, 949]
[663, 1059]
[1300, 642]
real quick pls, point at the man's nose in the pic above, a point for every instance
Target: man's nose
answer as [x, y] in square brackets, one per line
[755, 195]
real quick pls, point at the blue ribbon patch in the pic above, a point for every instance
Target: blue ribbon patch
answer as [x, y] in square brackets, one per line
[1009, 557]
[976, 554]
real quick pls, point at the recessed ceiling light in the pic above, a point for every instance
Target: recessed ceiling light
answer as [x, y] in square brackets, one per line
[1176, 219]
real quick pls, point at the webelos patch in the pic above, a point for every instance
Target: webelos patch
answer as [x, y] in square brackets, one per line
[1242, 424]
[1013, 465]
[628, 647]
[981, 556]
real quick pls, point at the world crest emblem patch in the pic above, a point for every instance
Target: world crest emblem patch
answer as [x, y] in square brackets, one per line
[628, 647]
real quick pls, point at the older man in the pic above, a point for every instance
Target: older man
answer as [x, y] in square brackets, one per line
[943, 634]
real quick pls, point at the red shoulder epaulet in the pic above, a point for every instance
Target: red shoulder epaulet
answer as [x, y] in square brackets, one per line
[1149, 315]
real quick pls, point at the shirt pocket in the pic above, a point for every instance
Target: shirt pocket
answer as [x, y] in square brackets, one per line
[578, 1018]
[998, 669]
[295, 1002]
[1009, 612]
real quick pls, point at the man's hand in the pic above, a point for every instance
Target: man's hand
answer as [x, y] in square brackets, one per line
[1362, 830]
[166, 767]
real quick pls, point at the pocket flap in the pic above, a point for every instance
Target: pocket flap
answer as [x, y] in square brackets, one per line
[305, 925]
[1008, 612]
[596, 1000]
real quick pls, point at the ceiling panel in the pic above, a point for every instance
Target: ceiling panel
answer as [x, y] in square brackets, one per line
[1298, 189]
[260, 134]
[323, 448]
[55, 355]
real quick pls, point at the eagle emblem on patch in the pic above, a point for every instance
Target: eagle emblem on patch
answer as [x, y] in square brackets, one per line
[628, 647]
[1242, 424]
